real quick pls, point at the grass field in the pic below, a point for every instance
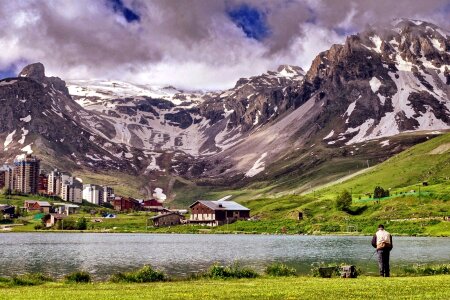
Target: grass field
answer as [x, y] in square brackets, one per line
[432, 287]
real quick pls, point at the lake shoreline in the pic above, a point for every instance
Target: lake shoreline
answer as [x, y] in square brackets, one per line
[349, 234]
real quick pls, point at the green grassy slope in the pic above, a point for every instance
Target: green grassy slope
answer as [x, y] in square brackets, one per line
[429, 161]
[413, 213]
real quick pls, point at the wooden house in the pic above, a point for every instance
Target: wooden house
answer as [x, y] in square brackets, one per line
[51, 219]
[7, 211]
[152, 205]
[214, 213]
[42, 206]
[125, 204]
[167, 219]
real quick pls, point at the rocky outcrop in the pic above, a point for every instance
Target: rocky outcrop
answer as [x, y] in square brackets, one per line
[36, 72]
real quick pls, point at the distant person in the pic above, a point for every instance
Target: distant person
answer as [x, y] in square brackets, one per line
[382, 241]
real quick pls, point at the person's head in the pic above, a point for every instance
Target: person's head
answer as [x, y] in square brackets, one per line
[381, 227]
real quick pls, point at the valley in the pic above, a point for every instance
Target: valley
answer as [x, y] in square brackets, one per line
[364, 115]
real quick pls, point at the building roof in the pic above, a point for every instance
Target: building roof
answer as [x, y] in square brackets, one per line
[66, 205]
[5, 206]
[41, 203]
[164, 215]
[221, 205]
[120, 198]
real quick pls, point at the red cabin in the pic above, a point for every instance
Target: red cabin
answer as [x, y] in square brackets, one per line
[126, 203]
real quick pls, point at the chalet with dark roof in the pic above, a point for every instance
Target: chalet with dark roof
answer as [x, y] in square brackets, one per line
[167, 219]
[214, 213]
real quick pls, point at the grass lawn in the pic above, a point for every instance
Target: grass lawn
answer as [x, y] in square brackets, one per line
[432, 287]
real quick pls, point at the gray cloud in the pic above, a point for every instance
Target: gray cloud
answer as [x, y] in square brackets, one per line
[191, 44]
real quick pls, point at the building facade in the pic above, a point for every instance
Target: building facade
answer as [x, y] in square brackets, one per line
[8, 178]
[126, 203]
[26, 175]
[54, 183]
[108, 194]
[71, 189]
[2, 178]
[43, 184]
[93, 193]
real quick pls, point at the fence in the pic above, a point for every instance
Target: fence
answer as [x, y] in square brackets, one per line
[393, 196]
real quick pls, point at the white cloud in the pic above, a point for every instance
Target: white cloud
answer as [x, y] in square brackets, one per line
[190, 44]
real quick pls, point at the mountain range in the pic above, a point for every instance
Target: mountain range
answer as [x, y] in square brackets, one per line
[380, 92]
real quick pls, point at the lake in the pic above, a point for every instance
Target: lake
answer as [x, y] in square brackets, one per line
[101, 254]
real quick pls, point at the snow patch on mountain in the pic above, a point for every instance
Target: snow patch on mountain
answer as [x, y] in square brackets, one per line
[384, 143]
[3, 83]
[428, 121]
[27, 149]
[437, 44]
[257, 167]
[24, 134]
[108, 90]
[377, 41]
[153, 166]
[329, 135]
[26, 119]
[375, 84]
[362, 131]
[8, 140]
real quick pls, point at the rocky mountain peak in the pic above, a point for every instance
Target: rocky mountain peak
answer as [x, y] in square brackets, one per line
[290, 71]
[34, 71]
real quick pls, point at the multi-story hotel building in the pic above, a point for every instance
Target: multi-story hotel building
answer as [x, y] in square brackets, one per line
[26, 175]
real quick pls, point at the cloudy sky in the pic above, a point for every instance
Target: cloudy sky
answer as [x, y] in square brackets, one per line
[195, 44]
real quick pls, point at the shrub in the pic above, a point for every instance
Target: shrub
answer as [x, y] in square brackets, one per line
[39, 226]
[427, 269]
[344, 200]
[146, 274]
[30, 279]
[317, 269]
[78, 277]
[232, 271]
[66, 224]
[82, 223]
[279, 269]
[379, 192]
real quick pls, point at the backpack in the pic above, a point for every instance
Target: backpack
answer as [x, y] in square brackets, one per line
[383, 240]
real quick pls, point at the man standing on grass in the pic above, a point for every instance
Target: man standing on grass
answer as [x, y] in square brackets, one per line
[382, 241]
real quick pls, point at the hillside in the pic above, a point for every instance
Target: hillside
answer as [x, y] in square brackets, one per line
[427, 162]
[407, 211]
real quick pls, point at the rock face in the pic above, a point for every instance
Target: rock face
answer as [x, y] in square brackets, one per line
[34, 71]
[379, 83]
[374, 80]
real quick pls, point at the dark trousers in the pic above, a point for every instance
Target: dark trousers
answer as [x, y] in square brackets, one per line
[383, 262]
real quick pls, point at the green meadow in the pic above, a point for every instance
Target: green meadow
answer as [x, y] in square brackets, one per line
[431, 287]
